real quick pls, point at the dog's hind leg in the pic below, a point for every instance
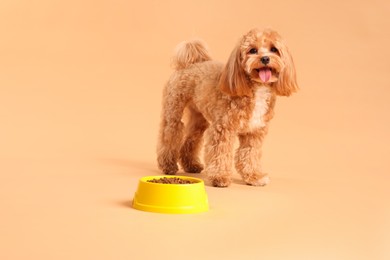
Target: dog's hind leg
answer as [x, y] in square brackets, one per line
[171, 131]
[219, 155]
[189, 152]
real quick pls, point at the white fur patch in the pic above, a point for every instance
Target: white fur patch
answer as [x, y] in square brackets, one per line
[264, 50]
[262, 97]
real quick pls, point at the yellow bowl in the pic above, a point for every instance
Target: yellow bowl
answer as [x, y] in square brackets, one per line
[171, 198]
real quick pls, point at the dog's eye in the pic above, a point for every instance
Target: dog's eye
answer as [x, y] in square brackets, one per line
[273, 49]
[253, 51]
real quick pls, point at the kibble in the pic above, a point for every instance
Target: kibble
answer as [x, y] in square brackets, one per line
[173, 180]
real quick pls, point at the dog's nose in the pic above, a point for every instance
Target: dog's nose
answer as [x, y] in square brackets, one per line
[265, 60]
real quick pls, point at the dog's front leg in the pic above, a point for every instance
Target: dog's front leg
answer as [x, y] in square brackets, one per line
[219, 155]
[247, 158]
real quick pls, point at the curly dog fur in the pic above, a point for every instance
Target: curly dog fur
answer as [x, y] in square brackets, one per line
[229, 101]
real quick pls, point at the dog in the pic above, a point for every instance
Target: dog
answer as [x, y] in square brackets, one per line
[229, 101]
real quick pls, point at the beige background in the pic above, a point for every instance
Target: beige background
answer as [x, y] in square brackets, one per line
[80, 94]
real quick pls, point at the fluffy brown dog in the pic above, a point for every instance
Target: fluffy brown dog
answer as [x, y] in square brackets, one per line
[235, 100]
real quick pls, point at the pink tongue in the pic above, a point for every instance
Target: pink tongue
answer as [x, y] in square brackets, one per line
[265, 74]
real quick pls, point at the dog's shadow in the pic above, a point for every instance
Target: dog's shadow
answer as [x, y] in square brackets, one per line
[238, 180]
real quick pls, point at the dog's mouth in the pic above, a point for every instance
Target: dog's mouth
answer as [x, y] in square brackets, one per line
[267, 74]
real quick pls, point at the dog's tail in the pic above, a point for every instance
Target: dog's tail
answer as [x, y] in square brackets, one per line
[190, 52]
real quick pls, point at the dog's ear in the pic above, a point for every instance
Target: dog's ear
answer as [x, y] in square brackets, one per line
[287, 82]
[233, 80]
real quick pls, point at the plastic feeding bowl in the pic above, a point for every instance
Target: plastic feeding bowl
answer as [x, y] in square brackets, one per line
[171, 194]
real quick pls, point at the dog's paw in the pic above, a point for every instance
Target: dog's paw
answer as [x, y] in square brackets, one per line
[169, 169]
[193, 168]
[256, 179]
[220, 180]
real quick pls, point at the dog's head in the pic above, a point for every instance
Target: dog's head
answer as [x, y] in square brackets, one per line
[260, 58]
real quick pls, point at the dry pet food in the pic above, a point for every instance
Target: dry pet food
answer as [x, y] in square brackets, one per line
[174, 180]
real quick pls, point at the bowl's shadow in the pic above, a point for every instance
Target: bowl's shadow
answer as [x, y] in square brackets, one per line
[125, 203]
